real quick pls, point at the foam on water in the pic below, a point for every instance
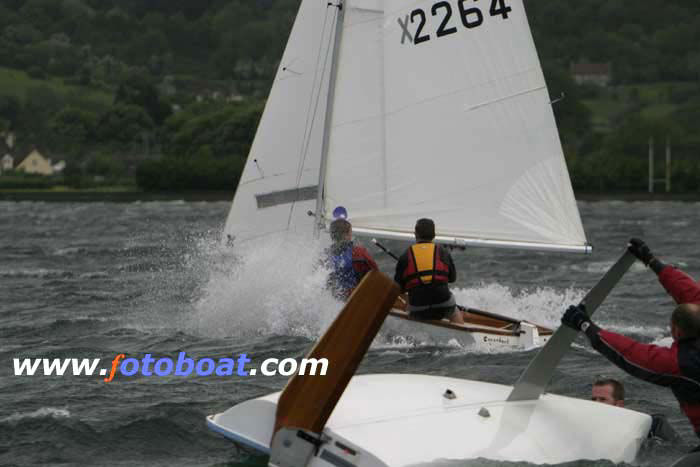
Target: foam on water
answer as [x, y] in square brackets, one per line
[543, 305]
[272, 286]
[39, 273]
[666, 341]
[657, 332]
[40, 413]
[601, 267]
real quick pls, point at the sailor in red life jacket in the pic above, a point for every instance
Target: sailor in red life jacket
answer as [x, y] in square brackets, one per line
[348, 262]
[424, 271]
[676, 367]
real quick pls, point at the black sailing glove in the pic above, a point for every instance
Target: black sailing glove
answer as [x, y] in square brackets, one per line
[576, 318]
[640, 250]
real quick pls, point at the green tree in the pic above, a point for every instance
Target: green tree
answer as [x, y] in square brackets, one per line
[10, 109]
[140, 91]
[107, 166]
[40, 104]
[573, 118]
[42, 14]
[22, 34]
[123, 124]
[73, 129]
[227, 130]
[177, 173]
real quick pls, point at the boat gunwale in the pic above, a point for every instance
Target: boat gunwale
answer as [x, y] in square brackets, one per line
[457, 327]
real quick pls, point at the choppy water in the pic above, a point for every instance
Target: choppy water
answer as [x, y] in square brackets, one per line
[95, 280]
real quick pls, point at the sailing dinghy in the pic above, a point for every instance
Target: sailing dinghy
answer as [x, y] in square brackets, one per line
[482, 331]
[400, 110]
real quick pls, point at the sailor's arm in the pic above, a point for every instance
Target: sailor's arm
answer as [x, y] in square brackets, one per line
[447, 258]
[678, 284]
[652, 363]
[360, 253]
[400, 267]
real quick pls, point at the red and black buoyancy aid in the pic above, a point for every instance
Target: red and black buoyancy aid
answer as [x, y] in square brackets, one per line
[425, 267]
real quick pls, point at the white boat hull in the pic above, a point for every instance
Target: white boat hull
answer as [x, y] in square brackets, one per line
[478, 338]
[400, 420]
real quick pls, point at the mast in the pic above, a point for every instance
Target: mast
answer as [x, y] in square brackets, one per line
[329, 116]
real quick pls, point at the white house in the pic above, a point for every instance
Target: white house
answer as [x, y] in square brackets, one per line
[7, 163]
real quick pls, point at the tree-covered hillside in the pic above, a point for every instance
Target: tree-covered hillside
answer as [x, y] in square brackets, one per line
[101, 39]
[645, 41]
[107, 84]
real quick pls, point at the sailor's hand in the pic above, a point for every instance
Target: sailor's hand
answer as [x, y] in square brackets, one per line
[640, 250]
[576, 318]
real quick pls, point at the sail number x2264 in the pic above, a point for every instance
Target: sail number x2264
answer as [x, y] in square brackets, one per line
[447, 19]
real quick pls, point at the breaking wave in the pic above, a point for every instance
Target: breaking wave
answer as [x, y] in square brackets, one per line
[35, 273]
[44, 412]
[273, 286]
[543, 305]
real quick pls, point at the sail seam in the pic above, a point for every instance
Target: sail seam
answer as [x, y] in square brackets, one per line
[461, 90]
[504, 98]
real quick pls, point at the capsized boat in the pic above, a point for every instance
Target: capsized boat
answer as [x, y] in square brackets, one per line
[400, 420]
[399, 110]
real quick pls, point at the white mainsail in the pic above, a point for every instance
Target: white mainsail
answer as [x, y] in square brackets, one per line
[280, 179]
[441, 110]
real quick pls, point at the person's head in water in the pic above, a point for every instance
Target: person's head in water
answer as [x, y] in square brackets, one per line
[425, 230]
[608, 391]
[685, 322]
[341, 231]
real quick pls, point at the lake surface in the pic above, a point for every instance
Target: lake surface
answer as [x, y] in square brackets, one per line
[93, 280]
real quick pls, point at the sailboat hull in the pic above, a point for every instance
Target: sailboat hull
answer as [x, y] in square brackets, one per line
[399, 420]
[483, 335]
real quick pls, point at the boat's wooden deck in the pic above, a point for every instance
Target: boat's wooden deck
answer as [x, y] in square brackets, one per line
[496, 325]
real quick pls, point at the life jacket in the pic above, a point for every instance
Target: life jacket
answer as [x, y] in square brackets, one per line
[425, 267]
[343, 277]
[360, 264]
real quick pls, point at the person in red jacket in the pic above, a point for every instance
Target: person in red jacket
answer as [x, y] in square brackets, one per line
[347, 262]
[676, 367]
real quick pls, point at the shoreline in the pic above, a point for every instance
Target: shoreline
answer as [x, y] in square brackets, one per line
[85, 196]
[637, 196]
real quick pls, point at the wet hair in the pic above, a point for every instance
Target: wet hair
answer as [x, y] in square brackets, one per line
[425, 229]
[339, 229]
[687, 318]
[618, 389]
